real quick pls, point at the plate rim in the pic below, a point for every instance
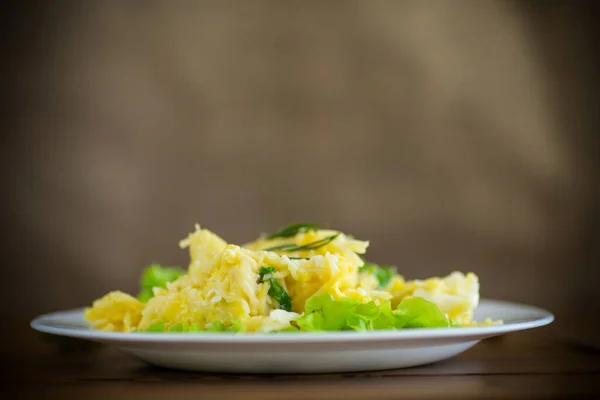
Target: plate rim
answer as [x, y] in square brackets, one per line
[41, 324]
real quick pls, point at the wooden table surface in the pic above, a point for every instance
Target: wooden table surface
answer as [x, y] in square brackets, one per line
[531, 364]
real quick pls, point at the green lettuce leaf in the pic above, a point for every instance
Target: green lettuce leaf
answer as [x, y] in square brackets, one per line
[218, 326]
[323, 313]
[416, 312]
[184, 327]
[156, 275]
[158, 327]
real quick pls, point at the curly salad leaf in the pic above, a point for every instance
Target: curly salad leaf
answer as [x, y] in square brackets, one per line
[323, 313]
[156, 275]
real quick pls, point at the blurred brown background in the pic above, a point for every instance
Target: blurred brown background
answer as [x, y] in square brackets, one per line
[452, 134]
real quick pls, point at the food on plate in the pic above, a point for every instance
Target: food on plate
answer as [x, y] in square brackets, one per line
[301, 278]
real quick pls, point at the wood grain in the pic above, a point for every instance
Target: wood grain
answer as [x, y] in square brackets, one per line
[522, 365]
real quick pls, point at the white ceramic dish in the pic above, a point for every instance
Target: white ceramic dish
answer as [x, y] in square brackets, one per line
[301, 352]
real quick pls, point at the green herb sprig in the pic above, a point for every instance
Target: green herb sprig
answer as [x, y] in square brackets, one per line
[308, 246]
[293, 230]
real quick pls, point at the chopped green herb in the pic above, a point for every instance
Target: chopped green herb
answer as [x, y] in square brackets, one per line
[293, 230]
[275, 291]
[383, 274]
[265, 273]
[309, 246]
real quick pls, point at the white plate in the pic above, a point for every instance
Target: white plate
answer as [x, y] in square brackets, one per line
[301, 352]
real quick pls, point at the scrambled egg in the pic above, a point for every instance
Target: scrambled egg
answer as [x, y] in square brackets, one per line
[456, 295]
[224, 283]
[116, 311]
